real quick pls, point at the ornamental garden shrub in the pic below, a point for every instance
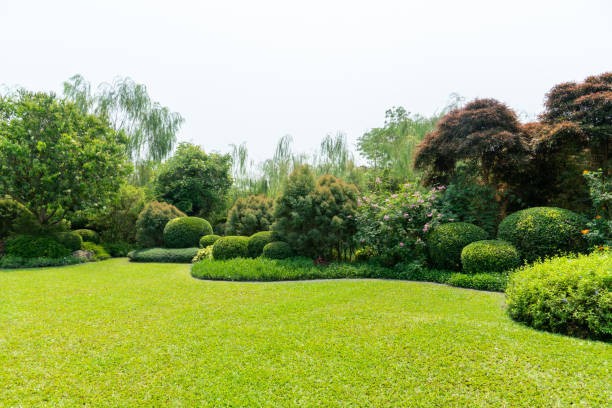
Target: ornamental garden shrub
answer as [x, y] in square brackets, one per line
[565, 295]
[99, 252]
[185, 232]
[231, 247]
[88, 235]
[541, 232]
[203, 253]
[117, 249]
[258, 241]
[208, 240]
[165, 255]
[28, 246]
[151, 222]
[249, 215]
[393, 226]
[446, 242]
[489, 256]
[277, 250]
[71, 240]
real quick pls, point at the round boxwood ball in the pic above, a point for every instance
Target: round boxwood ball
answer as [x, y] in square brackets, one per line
[489, 256]
[208, 240]
[446, 242]
[258, 241]
[185, 232]
[70, 240]
[541, 232]
[277, 250]
[230, 247]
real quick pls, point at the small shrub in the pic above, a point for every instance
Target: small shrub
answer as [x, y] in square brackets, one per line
[185, 232]
[258, 241]
[14, 262]
[117, 249]
[71, 240]
[166, 255]
[565, 295]
[231, 247]
[493, 282]
[88, 235]
[99, 252]
[151, 222]
[541, 232]
[446, 242]
[277, 250]
[249, 215]
[489, 256]
[203, 253]
[208, 240]
[27, 246]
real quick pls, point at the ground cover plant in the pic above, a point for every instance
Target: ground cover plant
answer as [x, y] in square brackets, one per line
[116, 333]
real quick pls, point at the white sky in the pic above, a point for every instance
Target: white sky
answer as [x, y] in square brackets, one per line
[253, 71]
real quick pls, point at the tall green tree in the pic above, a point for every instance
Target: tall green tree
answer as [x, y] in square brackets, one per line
[150, 127]
[194, 181]
[55, 159]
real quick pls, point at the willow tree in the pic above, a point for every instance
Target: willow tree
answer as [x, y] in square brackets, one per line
[150, 127]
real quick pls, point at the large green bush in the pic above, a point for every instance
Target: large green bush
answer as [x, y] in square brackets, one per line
[541, 232]
[185, 232]
[151, 222]
[88, 235]
[166, 255]
[71, 240]
[446, 242]
[258, 241]
[27, 246]
[208, 240]
[489, 256]
[11, 213]
[565, 295]
[277, 250]
[231, 247]
[249, 215]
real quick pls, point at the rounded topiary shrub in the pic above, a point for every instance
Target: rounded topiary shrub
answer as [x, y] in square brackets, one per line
[541, 232]
[71, 240]
[88, 235]
[231, 247]
[565, 295]
[27, 246]
[277, 250]
[208, 240]
[185, 232]
[151, 222]
[489, 256]
[446, 242]
[258, 241]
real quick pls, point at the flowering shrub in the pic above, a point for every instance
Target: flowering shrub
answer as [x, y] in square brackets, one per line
[394, 226]
[599, 229]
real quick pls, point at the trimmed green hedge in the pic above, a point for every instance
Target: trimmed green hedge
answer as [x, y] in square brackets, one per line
[565, 295]
[258, 241]
[489, 256]
[167, 255]
[208, 240]
[446, 242]
[15, 262]
[277, 250]
[71, 240]
[27, 246]
[541, 232]
[185, 232]
[231, 247]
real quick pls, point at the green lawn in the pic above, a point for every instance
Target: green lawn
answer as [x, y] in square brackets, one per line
[121, 334]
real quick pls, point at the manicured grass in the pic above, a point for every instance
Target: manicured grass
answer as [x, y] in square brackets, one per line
[115, 333]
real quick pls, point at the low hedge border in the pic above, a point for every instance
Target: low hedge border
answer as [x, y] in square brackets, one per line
[163, 255]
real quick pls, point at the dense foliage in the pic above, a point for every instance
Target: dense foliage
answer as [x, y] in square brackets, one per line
[277, 250]
[117, 220]
[541, 232]
[99, 252]
[231, 247]
[88, 235]
[151, 222]
[71, 240]
[11, 214]
[56, 160]
[185, 232]
[165, 255]
[446, 241]
[565, 295]
[393, 226]
[208, 240]
[27, 246]
[489, 256]
[249, 215]
[195, 182]
[258, 241]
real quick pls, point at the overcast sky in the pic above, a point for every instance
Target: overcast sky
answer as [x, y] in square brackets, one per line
[253, 71]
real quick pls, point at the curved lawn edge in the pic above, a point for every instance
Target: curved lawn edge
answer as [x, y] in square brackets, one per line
[302, 269]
